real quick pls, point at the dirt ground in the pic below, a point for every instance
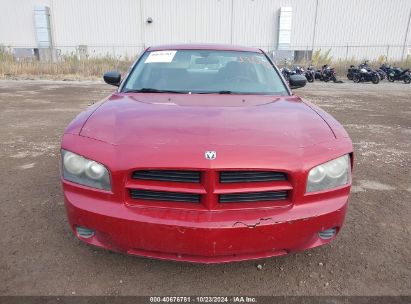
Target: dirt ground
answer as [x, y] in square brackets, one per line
[40, 256]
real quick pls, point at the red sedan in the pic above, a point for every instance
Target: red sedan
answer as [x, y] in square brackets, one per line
[203, 154]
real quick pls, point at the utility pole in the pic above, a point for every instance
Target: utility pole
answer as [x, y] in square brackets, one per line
[232, 20]
[405, 37]
[346, 56]
[315, 24]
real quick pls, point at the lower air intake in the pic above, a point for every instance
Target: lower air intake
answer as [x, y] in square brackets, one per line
[164, 196]
[251, 176]
[168, 175]
[253, 196]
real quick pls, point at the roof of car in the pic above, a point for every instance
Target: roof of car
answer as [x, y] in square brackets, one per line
[204, 46]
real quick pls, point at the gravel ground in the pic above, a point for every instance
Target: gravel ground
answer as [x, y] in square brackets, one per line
[40, 256]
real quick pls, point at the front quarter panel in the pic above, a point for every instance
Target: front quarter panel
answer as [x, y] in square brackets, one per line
[335, 126]
[78, 122]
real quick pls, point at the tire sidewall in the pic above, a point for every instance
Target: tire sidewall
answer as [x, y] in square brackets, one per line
[375, 79]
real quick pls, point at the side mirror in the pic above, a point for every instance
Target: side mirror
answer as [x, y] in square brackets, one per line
[297, 81]
[113, 78]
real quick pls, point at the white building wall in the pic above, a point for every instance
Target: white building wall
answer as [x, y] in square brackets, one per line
[179, 21]
[373, 23]
[17, 22]
[120, 28]
[104, 26]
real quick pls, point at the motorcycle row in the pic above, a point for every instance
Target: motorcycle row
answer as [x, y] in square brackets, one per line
[326, 73]
[364, 73]
[360, 73]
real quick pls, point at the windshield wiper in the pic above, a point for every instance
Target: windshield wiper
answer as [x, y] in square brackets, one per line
[217, 92]
[231, 92]
[225, 92]
[151, 90]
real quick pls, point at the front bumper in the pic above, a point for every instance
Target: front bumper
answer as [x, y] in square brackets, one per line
[203, 236]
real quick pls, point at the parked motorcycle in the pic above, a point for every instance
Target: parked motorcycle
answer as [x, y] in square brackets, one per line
[385, 67]
[328, 73]
[355, 70]
[381, 73]
[287, 73]
[310, 73]
[352, 71]
[319, 74]
[298, 70]
[365, 75]
[399, 74]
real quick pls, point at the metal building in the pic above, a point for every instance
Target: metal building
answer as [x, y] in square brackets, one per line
[350, 28]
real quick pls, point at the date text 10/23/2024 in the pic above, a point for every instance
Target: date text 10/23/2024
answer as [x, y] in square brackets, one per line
[203, 299]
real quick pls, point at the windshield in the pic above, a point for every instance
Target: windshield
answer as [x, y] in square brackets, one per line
[204, 71]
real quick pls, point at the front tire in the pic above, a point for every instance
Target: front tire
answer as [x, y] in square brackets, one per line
[375, 79]
[407, 79]
[356, 78]
[310, 78]
[390, 78]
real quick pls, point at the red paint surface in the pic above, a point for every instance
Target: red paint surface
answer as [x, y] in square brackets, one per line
[130, 131]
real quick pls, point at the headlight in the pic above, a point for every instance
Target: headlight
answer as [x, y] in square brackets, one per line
[331, 174]
[83, 171]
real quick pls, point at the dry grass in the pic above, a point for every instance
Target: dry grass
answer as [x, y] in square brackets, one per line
[67, 67]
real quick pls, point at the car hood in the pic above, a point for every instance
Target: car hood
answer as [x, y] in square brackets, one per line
[207, 120]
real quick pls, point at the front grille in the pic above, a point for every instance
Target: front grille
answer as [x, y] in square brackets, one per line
[208, 188]
[253, 196]
[164, 196]
[251, 176]
[168, 175]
